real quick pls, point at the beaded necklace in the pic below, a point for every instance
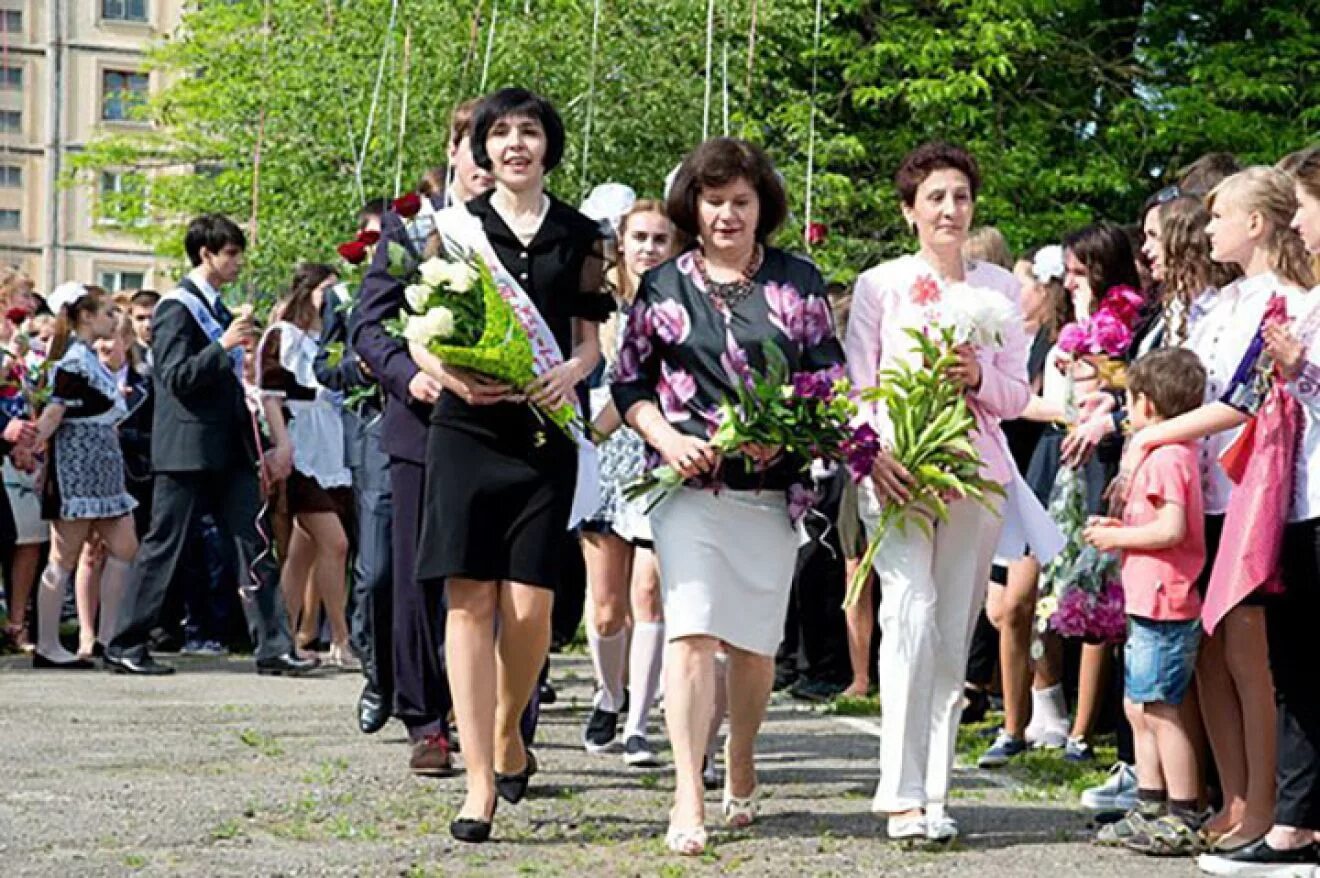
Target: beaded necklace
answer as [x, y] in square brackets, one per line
[731, 293]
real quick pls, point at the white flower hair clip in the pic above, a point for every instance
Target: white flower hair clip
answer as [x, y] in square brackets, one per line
[1048, 264]
[65, 295]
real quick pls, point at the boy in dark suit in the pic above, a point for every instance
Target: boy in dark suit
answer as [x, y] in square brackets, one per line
[205, 451]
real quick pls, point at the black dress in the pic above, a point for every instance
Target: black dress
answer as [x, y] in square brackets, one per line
[499, 480]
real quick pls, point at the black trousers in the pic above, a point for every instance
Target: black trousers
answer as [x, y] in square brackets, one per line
[234, 497]
[816, 628]
[1291, 625]
[421, 689]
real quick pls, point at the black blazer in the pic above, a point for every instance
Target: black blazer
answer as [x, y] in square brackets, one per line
[135, 430]
[403, 429]
[346, 375]
[201, 421]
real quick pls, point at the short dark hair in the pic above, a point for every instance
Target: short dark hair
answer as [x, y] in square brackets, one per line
[718, 162]
[928, 158]
[1207, 172]
[1173, 379]
[1106, 251]
[214, 232]
[374, 207]
[517, 102]
[145, 299]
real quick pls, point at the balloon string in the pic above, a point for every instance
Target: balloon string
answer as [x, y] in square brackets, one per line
[254, 584]
[811, 132]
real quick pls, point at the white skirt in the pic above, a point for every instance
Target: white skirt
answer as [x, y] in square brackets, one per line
[726, 565]
[25, 499]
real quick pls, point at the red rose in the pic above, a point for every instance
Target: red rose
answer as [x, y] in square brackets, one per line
[368, 237]
[925, 291]
[16, 315]
[816, 233]
[353, 252]
[407, 206]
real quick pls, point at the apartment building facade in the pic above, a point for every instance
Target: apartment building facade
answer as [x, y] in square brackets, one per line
[70, 69]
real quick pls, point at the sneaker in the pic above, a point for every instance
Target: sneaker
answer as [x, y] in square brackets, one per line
[430, 757]
[1259, 859]
[1048, 739]
[1078, 750]
[1120, 832]
[1117, 793]
[638, 753]
[1167, 836]
[546, 694]
[941, 829]
[1001, 751]
[602, 731]
[203, 648]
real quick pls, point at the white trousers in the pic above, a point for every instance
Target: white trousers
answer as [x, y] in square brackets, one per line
[930, 595]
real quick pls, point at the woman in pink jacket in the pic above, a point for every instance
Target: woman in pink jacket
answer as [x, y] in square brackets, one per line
[932, 590]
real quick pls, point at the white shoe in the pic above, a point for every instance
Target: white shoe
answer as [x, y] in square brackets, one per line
[741, 813]
[686, 842]
[1117, 793]
[906, 828]
[941, 828]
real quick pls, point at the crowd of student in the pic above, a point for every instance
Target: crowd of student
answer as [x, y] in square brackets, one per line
[364, 506]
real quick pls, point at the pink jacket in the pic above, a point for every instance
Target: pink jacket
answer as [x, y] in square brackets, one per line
[896, 295]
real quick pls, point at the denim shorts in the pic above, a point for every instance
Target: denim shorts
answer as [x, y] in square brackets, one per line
[1158, 660]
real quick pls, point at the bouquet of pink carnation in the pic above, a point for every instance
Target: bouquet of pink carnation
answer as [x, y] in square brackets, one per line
[1106, 334]
[1080, 592]
[808, 416]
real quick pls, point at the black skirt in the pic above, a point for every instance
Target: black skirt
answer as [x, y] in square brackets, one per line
[1043, 470]
[499, 493]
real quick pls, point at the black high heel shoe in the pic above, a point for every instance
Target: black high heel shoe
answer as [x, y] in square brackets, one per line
[512, 788]
[471, 830]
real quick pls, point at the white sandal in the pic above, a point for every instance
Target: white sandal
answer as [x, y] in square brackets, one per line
[741, 813]
[686, 842]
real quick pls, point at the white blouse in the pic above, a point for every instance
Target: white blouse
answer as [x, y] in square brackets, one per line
[1221, 338]
[1306, 473]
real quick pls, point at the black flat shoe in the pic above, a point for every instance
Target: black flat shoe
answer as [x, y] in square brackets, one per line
[471, 830]
[287, 665]
[1259, 854]
[40, 662]
[145, 666]
[371, 710]
[512, 788]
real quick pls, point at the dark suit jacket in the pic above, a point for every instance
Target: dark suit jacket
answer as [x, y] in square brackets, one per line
[135, 430]
[345, 376]
[201, 420]
[403, 430]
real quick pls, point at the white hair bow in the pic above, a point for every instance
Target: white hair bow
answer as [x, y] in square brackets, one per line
[1048, 264]
[65, 295]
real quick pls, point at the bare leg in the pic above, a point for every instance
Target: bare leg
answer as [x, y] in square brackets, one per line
[1150, 774]
[1176, 754]
[860, 618]
[24, 568]
[327, 533]
[297, 567]
[689, 707]
[521, 647]
[87, 594]
[1222, 713]
[470, 658]
[1249, 665]
[751, 678]
[1091, 682]
[1012, 610]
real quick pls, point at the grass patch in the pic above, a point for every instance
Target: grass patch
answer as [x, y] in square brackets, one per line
[326, 771]
[135, 861]
[847, 705]
[227, 830]
[1043, 774]
[263, 743]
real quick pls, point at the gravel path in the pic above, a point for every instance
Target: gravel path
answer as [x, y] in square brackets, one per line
[215, 771]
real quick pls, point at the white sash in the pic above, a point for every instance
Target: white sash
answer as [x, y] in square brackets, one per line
[458, 227]
[206, 320]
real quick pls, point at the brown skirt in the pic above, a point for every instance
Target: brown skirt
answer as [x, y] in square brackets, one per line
[305, 494]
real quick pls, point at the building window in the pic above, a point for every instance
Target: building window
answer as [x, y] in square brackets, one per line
[11, 121]
[10, 220]
[11, 177]
[124, 10]
[121, 92]
[114, 281]
[11, 78]
[11, 21]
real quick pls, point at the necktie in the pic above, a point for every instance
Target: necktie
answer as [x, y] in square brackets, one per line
[222, 314]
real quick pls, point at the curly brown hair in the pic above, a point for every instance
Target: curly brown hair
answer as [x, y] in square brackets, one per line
[1189, 270]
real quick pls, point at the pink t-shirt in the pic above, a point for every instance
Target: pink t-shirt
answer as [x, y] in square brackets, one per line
[1161, 584]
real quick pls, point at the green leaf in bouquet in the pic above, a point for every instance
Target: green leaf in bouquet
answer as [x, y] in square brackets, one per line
[401, 263]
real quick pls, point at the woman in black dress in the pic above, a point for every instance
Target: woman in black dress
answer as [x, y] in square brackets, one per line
[500, 483]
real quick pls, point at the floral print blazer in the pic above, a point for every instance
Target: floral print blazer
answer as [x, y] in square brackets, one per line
[687, 352]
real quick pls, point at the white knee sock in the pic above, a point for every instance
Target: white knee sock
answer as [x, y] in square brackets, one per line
[114, 582]
[609, 655]
[50, 603]
[1049, 710]
[721, 705]
[644, 661]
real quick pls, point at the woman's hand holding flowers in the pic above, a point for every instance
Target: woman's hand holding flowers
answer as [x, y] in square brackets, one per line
[1285, 349]
[689, 456]
[967, 371]
[892, 481]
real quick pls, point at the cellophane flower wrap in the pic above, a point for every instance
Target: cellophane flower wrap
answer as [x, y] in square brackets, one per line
[932, 421]
[1081, 593]
[455, 311]
[808, 416]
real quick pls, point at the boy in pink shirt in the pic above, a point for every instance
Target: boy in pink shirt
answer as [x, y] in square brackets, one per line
[1162, 538]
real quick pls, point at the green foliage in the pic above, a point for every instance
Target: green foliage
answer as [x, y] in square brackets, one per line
[1076, 109]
